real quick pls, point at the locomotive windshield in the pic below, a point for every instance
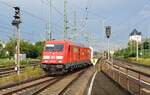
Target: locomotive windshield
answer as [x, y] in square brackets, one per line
[54, 47]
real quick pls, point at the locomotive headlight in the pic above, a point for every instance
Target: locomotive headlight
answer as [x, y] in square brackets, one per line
[46, 57]
[60, 61]
[46, 61]
[59, 57]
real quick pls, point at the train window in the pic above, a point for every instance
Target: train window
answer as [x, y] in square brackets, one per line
[54, 47]
[82, 53]
[75, 49]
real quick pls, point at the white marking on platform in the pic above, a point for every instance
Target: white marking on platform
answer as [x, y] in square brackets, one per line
[91, 84]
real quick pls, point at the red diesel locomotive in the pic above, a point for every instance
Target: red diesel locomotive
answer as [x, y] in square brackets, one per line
[64, 55]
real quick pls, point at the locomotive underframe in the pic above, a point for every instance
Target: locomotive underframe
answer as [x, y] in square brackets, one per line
[61, 68]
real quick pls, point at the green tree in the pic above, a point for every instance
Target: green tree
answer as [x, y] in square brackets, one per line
[39, 46]
[2, 51]
[29, 49]
[25, 48]
[146, 45]
[10, 46]
[1, 46]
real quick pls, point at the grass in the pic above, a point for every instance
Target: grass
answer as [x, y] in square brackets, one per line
[9, 63]
[6, 62]
[29, 72]
[145, 61]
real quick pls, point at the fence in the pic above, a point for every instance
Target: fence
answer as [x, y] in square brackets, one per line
[136, 82]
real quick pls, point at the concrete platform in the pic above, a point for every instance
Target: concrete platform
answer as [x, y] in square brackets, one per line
[105, 86]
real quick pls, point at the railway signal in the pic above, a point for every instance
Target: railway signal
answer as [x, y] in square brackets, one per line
[108, 31]
[16, 22]
[108, 34]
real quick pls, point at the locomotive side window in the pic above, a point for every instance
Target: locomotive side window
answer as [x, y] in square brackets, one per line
[75, 49]
[54, 47]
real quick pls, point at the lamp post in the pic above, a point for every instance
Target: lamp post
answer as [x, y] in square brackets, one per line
[108, 34]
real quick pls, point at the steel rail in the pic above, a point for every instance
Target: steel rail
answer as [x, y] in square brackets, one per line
[12, 91]
[68, 85]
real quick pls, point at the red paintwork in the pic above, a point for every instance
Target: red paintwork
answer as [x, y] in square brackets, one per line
[71, 53]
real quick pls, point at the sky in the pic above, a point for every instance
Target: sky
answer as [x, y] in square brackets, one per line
[122, 15]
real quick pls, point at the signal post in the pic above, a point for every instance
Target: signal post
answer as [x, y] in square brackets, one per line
[108, 34]
[16, 22]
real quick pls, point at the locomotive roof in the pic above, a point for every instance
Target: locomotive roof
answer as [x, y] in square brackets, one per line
[64, 41]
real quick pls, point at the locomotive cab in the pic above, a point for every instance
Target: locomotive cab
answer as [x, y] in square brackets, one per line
[53, 54]
[53, 57]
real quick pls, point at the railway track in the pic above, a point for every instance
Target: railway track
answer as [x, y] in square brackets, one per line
[42, 85]
[132, 65]
[62, 86]
[18, 88]
[129, 63]
[64, 90]
[7, 71]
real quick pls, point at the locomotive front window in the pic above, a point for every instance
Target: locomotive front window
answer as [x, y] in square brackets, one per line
[54, 47]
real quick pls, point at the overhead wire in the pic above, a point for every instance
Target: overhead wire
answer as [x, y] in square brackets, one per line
[85, 17]
[11, 30]
[56, 9]
[26, 12]
[59, 12]
[32, 15]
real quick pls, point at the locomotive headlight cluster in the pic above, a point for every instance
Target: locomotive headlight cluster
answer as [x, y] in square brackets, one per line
[52, 57]
[46, 57]
[59, 57]
[60, 61]
[46, 61]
